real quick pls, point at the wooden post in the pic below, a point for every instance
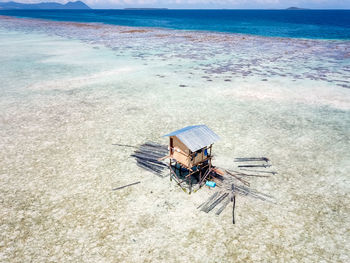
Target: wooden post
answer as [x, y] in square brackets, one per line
[209, 163]
[200, 177]
[209, 159]
[190, 182]
[170, 170]
[233, 209]
[233, 199]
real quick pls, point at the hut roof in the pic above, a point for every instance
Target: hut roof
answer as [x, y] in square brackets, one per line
[195, 137]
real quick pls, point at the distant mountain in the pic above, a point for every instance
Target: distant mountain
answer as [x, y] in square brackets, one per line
[48, 5]
[295, 8]
[76, 5]
[145, 8]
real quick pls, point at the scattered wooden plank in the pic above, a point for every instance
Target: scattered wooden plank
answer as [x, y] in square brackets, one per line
[156, 145]
[147, 156]
[121, 187]
[124, 145]
[149, 167]
[245, 174]
[238, 178]
[222, 208]
[211, 198]
[258, 171]
[147, 159]
[216, 202]
[255, 165]
[251, 159]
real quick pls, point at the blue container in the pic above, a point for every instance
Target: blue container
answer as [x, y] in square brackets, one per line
[210, 183]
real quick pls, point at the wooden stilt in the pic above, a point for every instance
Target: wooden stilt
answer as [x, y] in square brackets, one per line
[190, 184]
[176, 178]
[173, 173]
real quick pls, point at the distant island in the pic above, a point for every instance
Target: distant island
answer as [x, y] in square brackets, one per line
[296, 8]
[47, 5]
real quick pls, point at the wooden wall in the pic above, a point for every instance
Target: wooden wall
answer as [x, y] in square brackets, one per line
[181, 154]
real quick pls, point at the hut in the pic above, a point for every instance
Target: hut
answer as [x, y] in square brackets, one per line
[190, 150]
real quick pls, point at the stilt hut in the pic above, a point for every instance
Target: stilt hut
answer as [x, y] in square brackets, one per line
[190, 150]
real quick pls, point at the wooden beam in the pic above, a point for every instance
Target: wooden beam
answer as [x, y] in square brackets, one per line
[218, 171]
[204, 177]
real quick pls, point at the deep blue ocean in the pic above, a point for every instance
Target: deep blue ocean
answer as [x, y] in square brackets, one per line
[317, 24]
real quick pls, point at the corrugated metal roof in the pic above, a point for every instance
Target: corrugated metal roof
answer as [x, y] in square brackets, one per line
[195, 137]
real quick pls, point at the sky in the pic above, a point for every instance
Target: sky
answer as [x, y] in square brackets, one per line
[198, 4]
